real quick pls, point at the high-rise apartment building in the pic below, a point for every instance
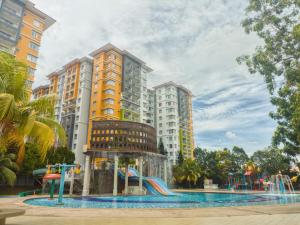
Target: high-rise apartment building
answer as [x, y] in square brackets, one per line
[174, 120]
[40, 91]
[117, 86]
[72, 86]
[21, 29]
[113, 86]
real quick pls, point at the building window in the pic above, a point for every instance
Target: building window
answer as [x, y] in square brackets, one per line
[108, 111]
[32, 58]
[31, 71]
[110, 82]
[93, 113]
[109, 101]
[34, 46]
[109, 91]
[97, 68]
[160, 111]
[160, 125]
[35, 34]
[36, 23]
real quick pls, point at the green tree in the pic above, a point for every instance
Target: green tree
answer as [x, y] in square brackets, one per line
[8, 168]
[277, 23]
[188, 172]
[32, 159]
[271, 161]
[161, 147]
[180, 159]
[23, 121]
[60, 155]
[208, 162]
[240, 156]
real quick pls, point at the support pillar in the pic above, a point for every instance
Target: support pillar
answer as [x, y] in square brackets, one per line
[72, 182]
[115, 190]
[141, 175]
[87, 176]
[126, 180]
[62, 184]
[165, 171]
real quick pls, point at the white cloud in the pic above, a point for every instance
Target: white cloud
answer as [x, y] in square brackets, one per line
[230, 135]
[192, 42]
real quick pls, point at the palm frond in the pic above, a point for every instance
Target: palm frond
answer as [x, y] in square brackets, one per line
[58, 129]
[43, 136]
[7, 106]
[13, 76]
[44, 106]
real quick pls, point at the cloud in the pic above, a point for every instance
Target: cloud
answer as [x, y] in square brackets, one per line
[194, 43]
[230, 135]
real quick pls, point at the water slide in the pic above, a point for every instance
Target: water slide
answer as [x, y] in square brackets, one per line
[154, 185]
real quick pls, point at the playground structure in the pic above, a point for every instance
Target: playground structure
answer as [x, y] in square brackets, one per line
[58, 172]
[154, 185]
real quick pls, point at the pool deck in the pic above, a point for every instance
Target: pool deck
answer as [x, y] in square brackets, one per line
[36, 215]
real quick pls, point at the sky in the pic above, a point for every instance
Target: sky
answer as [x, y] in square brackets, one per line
[193, 43]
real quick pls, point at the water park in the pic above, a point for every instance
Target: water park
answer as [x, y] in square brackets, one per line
[121, 175]
[134, 175]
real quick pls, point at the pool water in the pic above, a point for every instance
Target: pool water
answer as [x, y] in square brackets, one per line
[185, 200]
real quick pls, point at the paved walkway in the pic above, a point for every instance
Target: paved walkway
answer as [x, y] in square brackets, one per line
[246, 215]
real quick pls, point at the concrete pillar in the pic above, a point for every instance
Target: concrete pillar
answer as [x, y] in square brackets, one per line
[165, 171]
[87, 176]
[72, 181]
[141, 175]
[115, 190]
[126, 180]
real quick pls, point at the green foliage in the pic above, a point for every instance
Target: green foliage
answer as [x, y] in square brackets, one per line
[189, 172]
[32, 159]
[217, 165]
[271, 161]
[161, 147]
[126, 161]
[239, 155]
[60, 155]
[180, 158]
[8, 168]
[22, 121]
[277, 23]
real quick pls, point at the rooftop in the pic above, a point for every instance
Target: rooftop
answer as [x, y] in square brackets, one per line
[47, 19]
[171, 83]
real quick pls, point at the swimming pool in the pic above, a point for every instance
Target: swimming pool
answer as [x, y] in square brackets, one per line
[185, 200]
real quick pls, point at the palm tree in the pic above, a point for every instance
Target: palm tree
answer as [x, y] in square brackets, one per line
[21, 120]
[188, 171]
[8, 168]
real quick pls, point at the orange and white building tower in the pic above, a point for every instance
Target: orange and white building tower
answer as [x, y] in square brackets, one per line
[112, 85]
[21, 29]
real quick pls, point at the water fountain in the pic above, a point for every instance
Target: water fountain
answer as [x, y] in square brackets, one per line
[281, 184]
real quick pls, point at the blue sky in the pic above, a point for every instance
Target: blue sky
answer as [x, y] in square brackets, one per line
[193, 43]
